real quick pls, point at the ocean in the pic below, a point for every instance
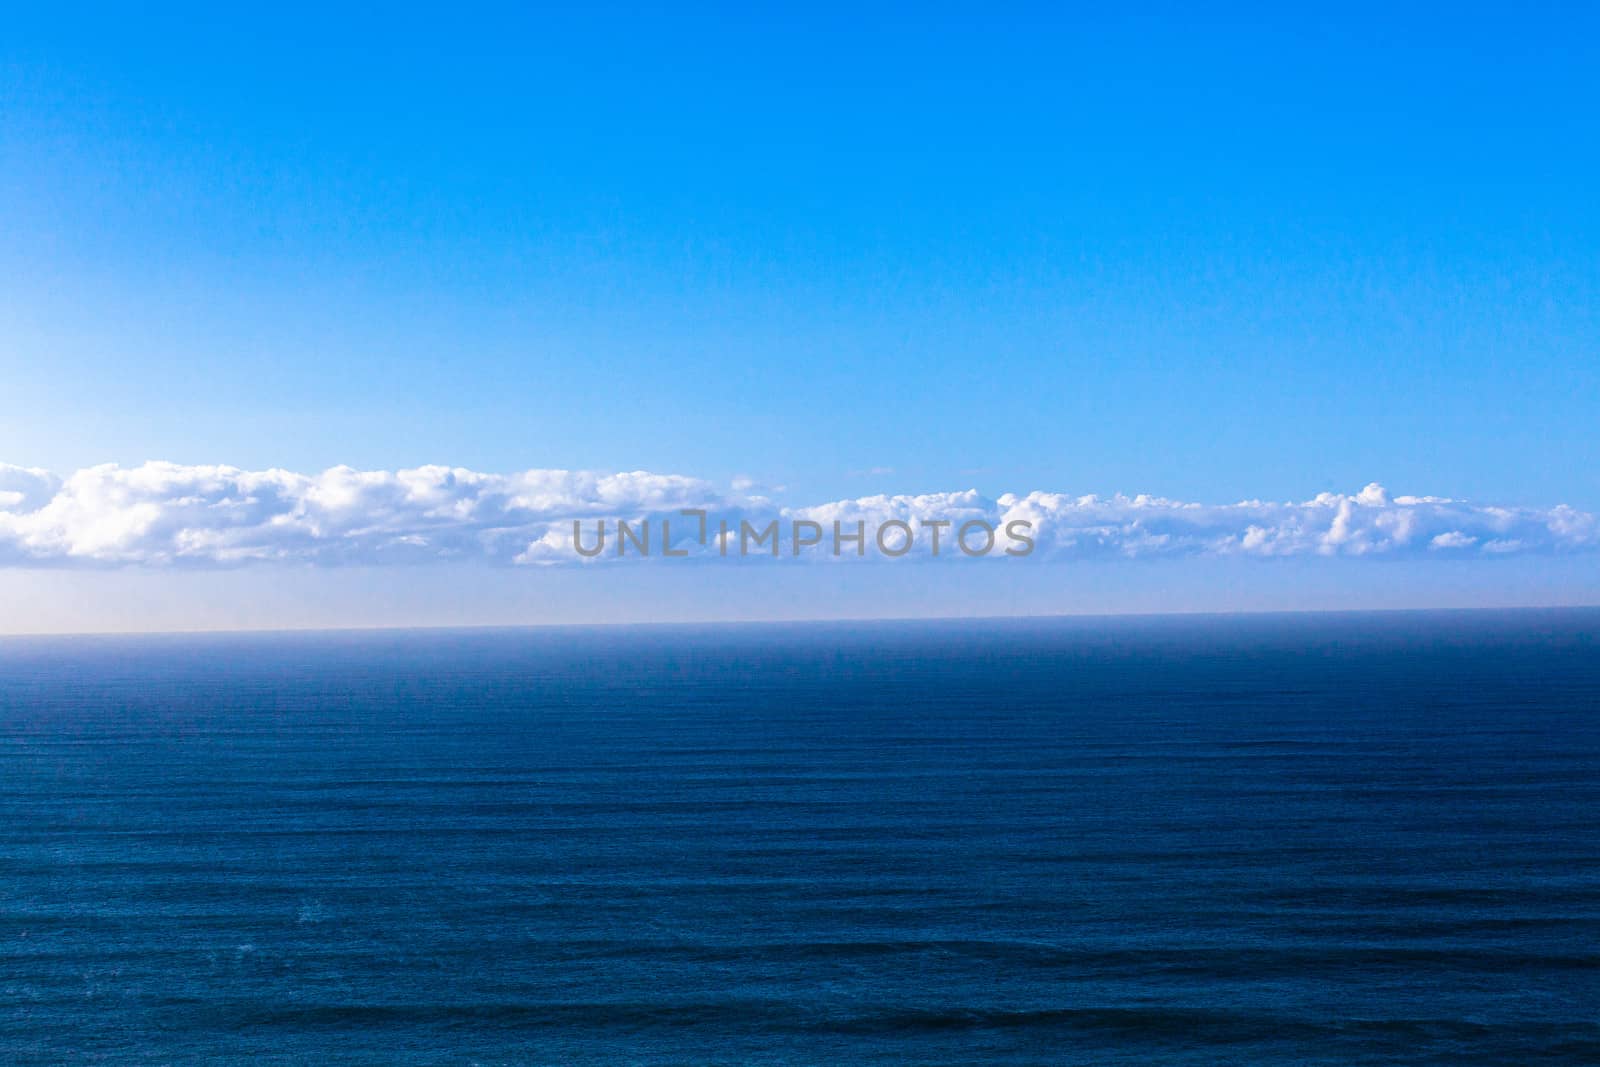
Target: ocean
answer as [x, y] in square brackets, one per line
[1295, 839]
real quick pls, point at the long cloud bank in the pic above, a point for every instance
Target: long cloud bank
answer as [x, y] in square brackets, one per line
[165, 514]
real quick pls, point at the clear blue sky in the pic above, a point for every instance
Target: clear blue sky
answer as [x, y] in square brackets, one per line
[1256, 253]
[1260, 254]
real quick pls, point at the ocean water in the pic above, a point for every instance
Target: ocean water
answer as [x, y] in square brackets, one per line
[1270, 840]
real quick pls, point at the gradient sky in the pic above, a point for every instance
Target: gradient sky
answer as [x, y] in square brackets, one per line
[1258, 254]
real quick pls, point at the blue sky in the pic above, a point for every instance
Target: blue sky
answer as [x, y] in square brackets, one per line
[1256, 254]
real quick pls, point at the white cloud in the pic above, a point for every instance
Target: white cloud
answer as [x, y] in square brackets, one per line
[1452, 539]
[162, 513]
[167, 514]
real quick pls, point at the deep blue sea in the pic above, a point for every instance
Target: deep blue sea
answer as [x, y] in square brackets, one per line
[1258, 840]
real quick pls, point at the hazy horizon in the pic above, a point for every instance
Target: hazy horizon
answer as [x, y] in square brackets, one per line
[1244, 614]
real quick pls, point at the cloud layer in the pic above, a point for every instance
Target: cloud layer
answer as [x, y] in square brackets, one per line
[164, 514]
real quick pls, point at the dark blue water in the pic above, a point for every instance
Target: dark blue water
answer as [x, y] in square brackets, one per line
[1307, 840]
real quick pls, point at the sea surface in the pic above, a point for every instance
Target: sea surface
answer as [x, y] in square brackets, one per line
[1342, 839]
